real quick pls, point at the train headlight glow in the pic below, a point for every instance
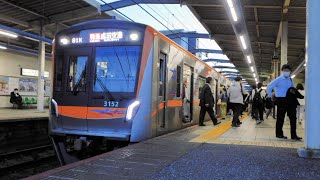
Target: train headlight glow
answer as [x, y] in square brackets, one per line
[134, 36]
[132, 110]
[64, 41]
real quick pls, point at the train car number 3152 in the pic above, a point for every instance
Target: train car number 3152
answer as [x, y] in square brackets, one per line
[111, 103]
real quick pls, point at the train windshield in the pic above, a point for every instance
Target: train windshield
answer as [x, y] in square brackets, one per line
[116, 68]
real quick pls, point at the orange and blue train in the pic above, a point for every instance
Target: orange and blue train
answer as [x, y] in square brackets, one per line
[121, 81]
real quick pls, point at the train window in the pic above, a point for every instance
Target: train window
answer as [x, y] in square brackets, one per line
[116, 68]
[77, 73]
[58, 73]
[161, 77]
[178, 80]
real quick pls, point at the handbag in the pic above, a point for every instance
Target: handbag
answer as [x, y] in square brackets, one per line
[219, 102]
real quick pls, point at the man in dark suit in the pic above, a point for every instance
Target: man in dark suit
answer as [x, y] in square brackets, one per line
[15, 98]
[207, 103]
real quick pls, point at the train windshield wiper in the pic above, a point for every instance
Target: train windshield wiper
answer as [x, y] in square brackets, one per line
[78, 84]
[104, 88]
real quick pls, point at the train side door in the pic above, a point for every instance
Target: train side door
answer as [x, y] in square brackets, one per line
[74, 102]
[162, 90]
[187, 95]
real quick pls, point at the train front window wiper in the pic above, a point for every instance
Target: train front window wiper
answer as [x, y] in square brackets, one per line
[79, 82]
[104, 88]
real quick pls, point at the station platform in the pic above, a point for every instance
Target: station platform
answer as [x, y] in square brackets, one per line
[9, 115]
[210, 152]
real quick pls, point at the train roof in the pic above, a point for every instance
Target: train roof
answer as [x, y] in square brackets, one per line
[105, 23]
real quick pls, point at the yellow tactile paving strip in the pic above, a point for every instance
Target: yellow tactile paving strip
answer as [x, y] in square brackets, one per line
[216, 132]
[213, 136]
[256, 143]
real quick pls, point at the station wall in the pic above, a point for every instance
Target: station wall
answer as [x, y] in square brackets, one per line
[11, 63]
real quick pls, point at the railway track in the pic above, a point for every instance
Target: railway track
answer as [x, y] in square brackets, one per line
[26, 162]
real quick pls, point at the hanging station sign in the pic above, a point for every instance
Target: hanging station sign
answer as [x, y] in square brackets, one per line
[32, 72]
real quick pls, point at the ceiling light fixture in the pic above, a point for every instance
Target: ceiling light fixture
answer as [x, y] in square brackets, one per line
[249, 59]
[243, 42]
[252, 68]
[232, 10]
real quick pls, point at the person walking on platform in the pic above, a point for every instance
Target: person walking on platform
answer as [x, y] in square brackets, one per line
[207, 103]
[269, 105]
[301, 108]
[252, 107]
[258, 95]
[223, 105]
[281, 86]
[235, 93]
[292, 104]
[186, 101]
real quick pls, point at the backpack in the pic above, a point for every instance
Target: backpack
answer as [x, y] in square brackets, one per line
[257, 97]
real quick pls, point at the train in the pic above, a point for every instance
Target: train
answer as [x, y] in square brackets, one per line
[121, 81]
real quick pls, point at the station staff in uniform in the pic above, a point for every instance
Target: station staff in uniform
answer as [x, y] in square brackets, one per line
[281, 86]
[207, 103]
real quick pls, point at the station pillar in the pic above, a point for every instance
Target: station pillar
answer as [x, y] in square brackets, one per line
[41, 57]
[312, 122]
[284, 43]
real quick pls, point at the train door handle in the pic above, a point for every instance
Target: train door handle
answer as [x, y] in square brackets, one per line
[55, 106]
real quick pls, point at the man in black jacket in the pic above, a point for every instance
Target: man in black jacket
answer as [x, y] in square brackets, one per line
[15, 98]
[292, 103]
[207, 103]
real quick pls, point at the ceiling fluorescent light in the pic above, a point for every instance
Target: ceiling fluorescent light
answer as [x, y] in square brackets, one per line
[256, 79]
[249, 59]
[8, 34]
[232, 10]
[234, 14]
[254, 75]
[3, 47]
[293, 76]
[252, 68]
[230, 3]
[244, 46]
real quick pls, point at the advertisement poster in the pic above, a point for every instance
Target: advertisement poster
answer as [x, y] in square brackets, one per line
[4, 85]
[28, 86]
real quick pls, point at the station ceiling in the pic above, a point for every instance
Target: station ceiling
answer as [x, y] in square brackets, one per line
[262, 20]
[54, 15]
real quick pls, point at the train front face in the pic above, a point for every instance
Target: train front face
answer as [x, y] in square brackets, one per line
[96, 79]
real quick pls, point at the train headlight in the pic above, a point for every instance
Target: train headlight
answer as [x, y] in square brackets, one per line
[132, 110]
[134, 36]
[64, 41]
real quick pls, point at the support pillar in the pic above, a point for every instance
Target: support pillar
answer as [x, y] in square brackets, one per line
[41, 58]
[312, 123]
[275, 63]
[284, 43]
